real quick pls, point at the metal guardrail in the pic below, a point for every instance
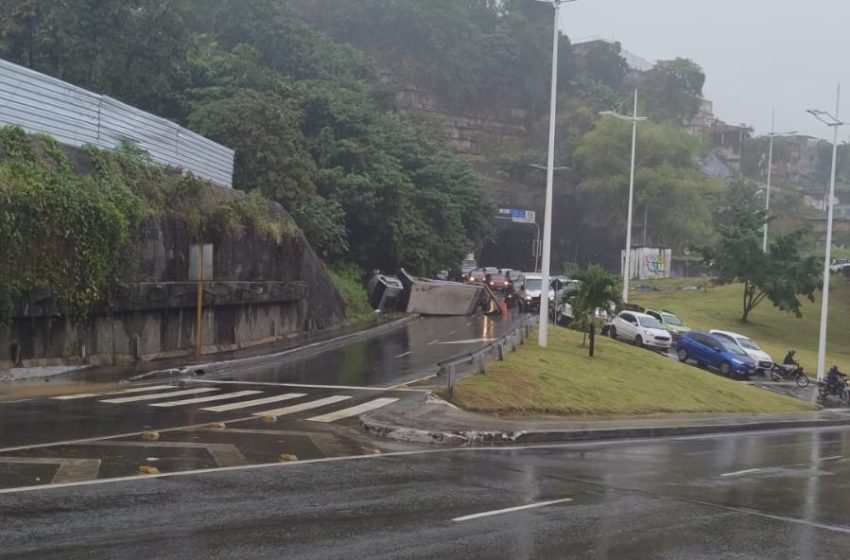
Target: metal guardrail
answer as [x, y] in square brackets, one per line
[516, 336]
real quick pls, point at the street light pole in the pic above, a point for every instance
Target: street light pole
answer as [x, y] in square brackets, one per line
[627, 265]
[773, 135]
[769, 175]
[834, 122]
[550, 172]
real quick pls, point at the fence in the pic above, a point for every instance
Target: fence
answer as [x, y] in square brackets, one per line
[74, 116]
[477, 359]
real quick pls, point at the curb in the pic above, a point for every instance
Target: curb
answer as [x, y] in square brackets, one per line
[473, 438]
[299, 352]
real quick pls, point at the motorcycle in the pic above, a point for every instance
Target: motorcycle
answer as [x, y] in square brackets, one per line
[778, 373]
[840, 390]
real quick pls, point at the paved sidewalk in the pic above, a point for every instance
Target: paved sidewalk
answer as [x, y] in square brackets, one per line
[435, 421]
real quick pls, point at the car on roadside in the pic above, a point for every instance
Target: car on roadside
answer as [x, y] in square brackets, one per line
[839, 265]
[529, 291]
[670, 321]
[763, 360]
[708, 350]
[497, 282]
[476, 276]
[641, 329]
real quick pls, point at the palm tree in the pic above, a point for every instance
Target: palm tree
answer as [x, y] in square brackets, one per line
[595, 289]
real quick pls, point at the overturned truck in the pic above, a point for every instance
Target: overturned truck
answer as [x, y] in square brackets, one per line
[429, 297]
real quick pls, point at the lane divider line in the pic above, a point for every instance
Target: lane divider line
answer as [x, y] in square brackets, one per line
[308, 386]
[511, 509]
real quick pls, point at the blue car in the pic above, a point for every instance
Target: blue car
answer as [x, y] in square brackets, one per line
[714, 352]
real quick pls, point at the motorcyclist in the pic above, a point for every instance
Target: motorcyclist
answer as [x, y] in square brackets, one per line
[833, 378]
[789, 364]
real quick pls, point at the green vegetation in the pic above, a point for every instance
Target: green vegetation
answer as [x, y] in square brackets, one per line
[312, 124]
[348, 285]
[620, 381]
[666, 179]
[779, 275]
[65, 235]
[596, 289]
[774, 330]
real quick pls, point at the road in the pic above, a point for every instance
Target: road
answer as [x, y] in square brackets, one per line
[305, 408]
[764, 496]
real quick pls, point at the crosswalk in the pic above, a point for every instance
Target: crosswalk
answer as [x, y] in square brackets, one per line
[247, 401]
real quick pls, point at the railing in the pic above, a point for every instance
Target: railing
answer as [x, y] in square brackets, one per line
[75, 116]
[509, 341]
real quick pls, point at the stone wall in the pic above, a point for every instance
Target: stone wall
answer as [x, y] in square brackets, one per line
[261, 291]
[466, 131]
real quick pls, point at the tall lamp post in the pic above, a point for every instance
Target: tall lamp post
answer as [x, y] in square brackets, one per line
[543, 332]
[543, 168]
[773, 135]
[635, 119]
[832, 121]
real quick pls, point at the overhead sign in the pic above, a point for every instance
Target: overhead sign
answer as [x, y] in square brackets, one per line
[519, 216]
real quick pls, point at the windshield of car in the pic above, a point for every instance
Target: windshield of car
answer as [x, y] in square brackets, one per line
[495, 278]
[533, 284]
[731, 346]
[649, 322]
[671, 319]
[748, 344]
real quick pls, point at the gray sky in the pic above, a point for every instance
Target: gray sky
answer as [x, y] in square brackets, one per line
[757, 54]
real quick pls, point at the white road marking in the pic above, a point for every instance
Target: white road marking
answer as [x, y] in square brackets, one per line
[433, 342]
[308, 386]
[122, 392]
[352, 411]
[511, 509]
[832, 458]
[403, 355]
[303, 406]
[138, 398]
[255, 402]
[737, 473]
[452, 332]
[469, 341]
[225, 396]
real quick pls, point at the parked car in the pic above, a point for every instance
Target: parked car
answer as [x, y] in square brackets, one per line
[838, 265]
[640, 328]
[763, 360]
[710, 350]
[497, 282]
[670, 321]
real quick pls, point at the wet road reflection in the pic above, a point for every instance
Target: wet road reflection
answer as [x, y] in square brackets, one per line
[388, 359]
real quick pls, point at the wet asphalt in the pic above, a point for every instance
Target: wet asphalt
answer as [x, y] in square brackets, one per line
[769, 496]
[392, 358]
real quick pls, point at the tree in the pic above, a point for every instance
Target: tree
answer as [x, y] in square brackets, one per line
[596, 289]
[668, 184]
[781, 275]
[755, 156]
[672, 90]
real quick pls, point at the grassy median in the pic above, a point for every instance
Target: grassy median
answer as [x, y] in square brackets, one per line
[774, 330]
[620, 381]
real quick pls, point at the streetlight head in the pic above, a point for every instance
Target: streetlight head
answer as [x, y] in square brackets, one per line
[825, 117]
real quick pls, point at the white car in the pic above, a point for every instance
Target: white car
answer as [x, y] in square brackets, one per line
[762, 358]
[640, 328]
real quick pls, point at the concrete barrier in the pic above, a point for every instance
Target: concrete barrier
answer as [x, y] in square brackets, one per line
[443, 298]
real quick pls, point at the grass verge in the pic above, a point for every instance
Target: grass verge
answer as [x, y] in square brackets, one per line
[774, 330]
[620, 381]
[346, 280]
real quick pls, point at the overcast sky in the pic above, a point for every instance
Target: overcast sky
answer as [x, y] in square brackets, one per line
[757, 54]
